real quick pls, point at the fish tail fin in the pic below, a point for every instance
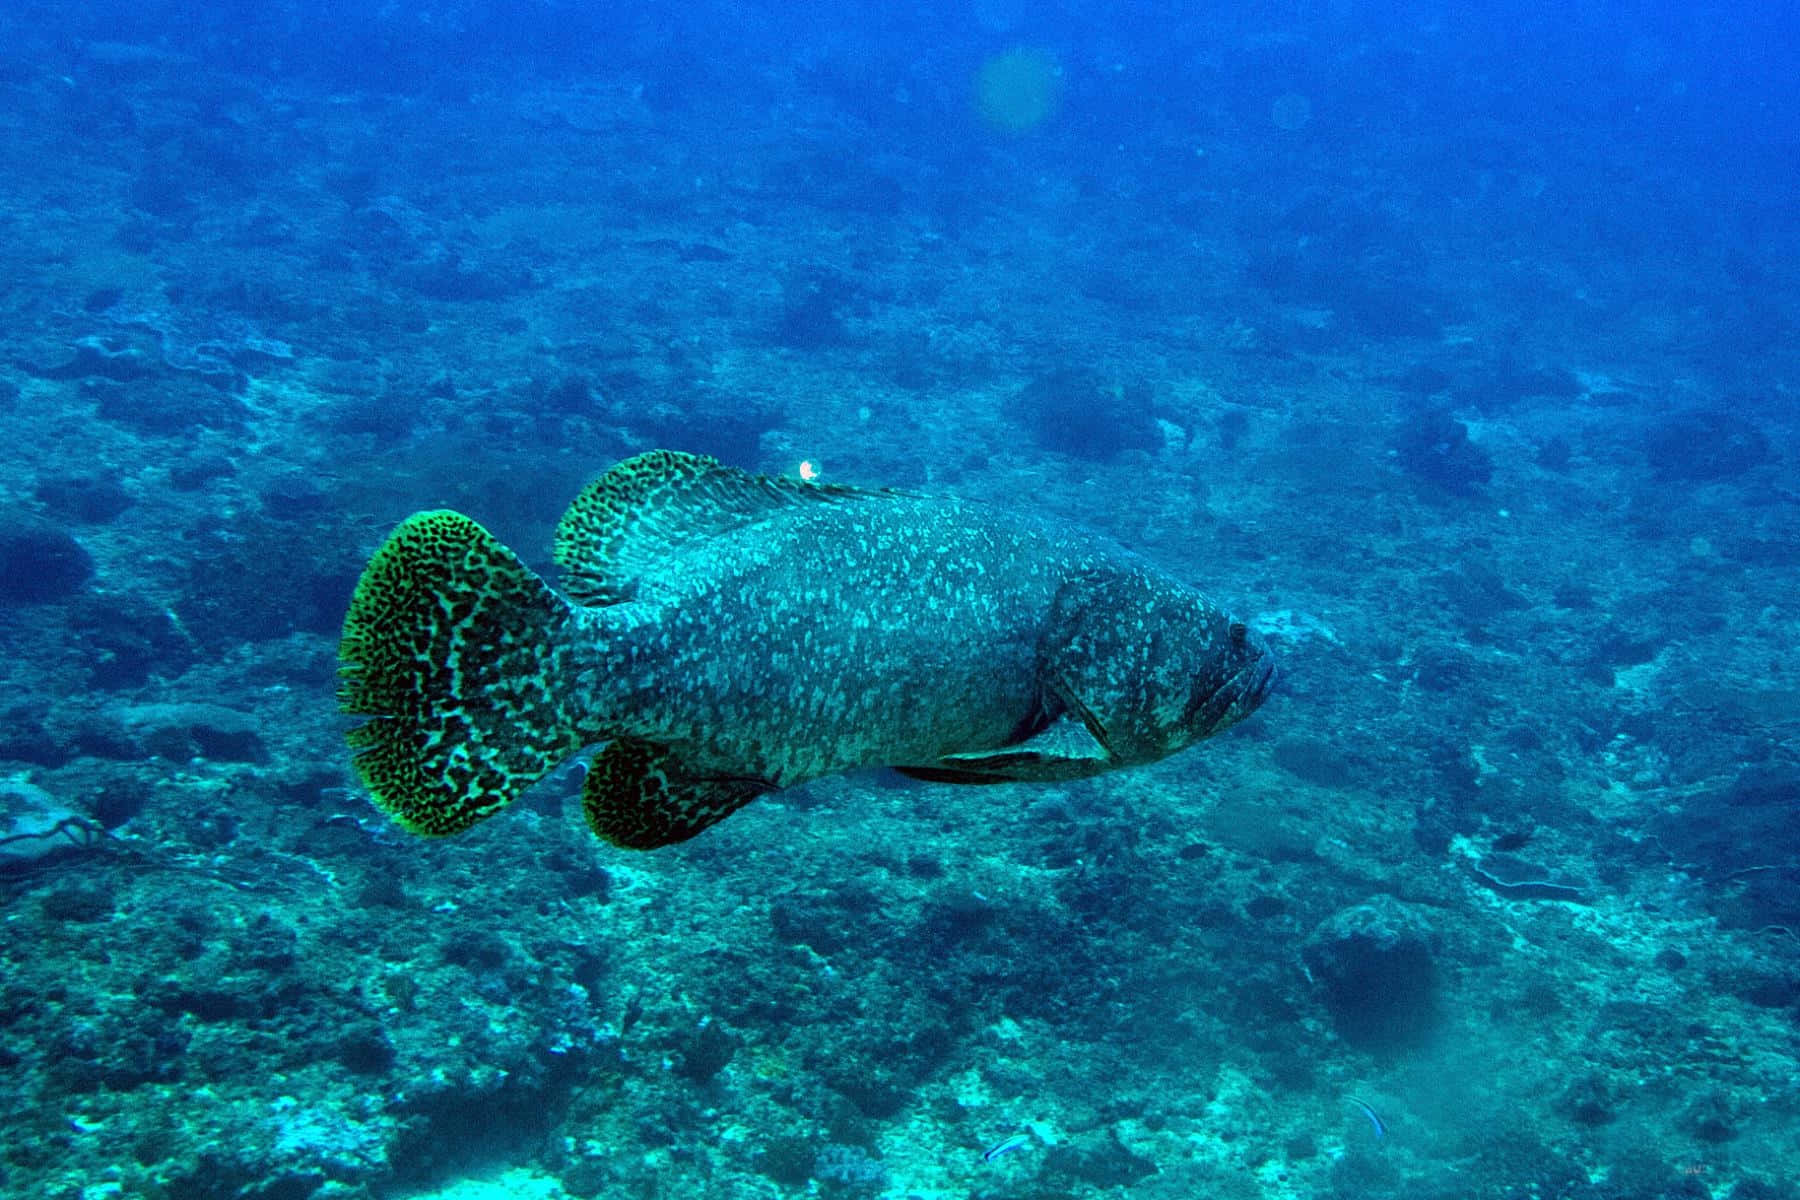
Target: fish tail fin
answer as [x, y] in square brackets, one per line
[458, 655]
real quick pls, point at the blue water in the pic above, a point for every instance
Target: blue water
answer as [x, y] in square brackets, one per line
[1453, 347]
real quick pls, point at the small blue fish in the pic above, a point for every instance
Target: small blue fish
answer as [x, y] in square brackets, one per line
[1374, 1118]
[1017, 1141]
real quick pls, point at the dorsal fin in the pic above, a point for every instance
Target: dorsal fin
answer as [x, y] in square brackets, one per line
[650, 505]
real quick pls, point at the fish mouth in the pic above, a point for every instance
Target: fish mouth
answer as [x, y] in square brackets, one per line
[1235, 699]
[1261, 680]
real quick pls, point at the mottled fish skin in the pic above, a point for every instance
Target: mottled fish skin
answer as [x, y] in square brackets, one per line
[733, 634]
[896, 633]
[832, 638]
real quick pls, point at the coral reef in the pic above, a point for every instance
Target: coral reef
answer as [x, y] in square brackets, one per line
[1471, 385]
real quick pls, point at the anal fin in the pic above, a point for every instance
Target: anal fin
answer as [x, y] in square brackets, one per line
[638, 796]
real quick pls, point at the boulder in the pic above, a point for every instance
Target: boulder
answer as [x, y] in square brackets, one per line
[35, 829]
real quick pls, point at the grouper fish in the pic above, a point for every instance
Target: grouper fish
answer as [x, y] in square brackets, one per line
[727, 634]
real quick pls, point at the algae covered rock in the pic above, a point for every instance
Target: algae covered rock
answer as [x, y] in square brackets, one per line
[1704, 447]
[196, 729]
[1435, 447]
[1077, 412]
[39, 563]
[1375, 964]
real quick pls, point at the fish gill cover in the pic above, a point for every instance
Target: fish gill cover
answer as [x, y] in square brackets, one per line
[1450, 349]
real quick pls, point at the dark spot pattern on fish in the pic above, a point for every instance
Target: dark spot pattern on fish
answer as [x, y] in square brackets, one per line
[732, 634]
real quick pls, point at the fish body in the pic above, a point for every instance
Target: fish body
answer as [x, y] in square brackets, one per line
[1001, 1149]
[1374, 1118]
[730, 634]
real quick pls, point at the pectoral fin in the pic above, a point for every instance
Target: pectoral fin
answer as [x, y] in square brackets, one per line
[1063, 749]
[638, 796]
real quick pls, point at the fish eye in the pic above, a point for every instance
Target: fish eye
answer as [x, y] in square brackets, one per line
[1239, 633]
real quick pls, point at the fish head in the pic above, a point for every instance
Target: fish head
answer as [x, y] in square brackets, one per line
[1229, 671]
[1149, 665]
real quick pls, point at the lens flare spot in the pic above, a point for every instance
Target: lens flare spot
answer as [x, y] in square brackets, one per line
[1291, 111]
[1017, 90]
